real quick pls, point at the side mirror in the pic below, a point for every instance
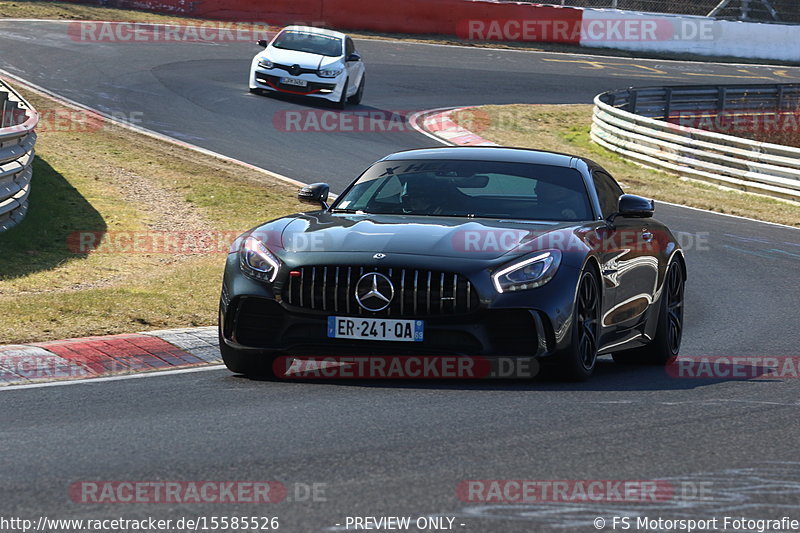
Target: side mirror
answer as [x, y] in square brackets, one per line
[632, 206]
[316, 193]
[355, 56]
[262, 43]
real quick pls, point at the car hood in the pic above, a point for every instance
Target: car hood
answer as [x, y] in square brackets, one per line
[484, 239]
[304, 59]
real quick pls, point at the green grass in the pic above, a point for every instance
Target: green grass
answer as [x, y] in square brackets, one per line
[131, 183]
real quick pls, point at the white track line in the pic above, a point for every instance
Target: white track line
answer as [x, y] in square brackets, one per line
[89, 381]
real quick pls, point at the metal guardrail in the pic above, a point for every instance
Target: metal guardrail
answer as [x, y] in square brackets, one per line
[17, 140]
[635, 123]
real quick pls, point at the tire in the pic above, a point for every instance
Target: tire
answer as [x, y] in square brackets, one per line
[247, 363]
[342, 103]
[666, 344]
[356, 98]
[579, 362]
[254, 90]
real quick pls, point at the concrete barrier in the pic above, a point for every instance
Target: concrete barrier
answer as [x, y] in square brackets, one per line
[652, 32]
[495, 20]
[440, 17]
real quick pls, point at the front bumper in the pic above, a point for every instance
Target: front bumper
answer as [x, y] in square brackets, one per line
[526, 323]
[317, 87]
[265, 325]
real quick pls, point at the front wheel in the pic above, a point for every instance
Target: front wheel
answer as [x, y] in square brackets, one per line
[579, 362]
[342, 103]
[356, 98]
[666, 344]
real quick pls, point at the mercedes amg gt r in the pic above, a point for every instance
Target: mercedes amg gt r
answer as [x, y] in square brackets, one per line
[460, 251]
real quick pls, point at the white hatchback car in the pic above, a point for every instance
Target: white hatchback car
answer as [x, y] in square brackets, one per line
[312, 62]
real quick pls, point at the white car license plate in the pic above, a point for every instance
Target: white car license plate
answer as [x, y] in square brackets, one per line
[294, 81]
[375, 329]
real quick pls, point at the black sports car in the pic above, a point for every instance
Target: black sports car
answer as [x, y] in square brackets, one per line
[460, 251]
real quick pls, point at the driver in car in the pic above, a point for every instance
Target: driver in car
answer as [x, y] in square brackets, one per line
[555, 202]
[425, 195]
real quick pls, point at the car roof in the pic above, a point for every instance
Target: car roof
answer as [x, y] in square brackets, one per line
[315, 30]
[491, 153]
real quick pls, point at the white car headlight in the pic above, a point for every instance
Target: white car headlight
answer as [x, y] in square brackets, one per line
[330, 72]
[257, 261]
[265, 63]
[528, 273]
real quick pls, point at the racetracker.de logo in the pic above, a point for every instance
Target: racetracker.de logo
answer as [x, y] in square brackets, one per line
[372, 121]
[177, 492]
[563, 491]
[608, 28]
[738, 121]
[148, 32]
[405, 367]
[735, 367]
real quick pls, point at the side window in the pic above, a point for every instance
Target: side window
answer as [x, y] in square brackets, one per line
[349, 47]
[608, 192]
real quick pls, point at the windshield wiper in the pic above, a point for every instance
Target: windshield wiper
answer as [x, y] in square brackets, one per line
[353, 211]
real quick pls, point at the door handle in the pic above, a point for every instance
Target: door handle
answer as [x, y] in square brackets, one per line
[647, 236]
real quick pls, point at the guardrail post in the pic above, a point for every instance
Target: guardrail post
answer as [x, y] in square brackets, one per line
[631, 100]
[667, 103]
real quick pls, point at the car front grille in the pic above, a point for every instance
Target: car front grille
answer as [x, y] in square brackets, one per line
[300, 70]
[312, 86]
[416, 292]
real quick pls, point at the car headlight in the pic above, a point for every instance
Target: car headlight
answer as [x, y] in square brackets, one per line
[329, 73]
[528, 273]
[265, 63]
[257, 261]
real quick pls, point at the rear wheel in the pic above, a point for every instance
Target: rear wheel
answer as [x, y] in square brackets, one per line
[578, 364]
[664, 348]
[248, 363]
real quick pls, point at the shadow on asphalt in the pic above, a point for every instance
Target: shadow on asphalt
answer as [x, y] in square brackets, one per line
[317, 103]
[608, 376]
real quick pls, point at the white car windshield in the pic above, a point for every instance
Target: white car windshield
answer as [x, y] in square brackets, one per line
[313, 43]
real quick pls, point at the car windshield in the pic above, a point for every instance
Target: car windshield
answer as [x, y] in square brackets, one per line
[487, 189]
[313, 43]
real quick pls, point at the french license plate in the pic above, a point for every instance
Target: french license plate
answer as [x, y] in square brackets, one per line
[294, 81]
[375, 329]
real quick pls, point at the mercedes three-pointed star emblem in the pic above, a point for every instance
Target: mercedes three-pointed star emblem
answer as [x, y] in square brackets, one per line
[374, 292]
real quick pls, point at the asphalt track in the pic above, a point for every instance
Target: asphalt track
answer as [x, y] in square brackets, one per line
[402, 448]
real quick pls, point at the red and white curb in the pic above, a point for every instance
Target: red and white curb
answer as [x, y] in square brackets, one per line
[112, 355]
[438, 124]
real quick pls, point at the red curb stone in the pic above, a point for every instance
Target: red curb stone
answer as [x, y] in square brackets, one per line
[120, 353]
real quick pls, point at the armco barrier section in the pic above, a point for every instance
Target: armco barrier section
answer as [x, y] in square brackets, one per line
[648, 125]
[17, 140]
